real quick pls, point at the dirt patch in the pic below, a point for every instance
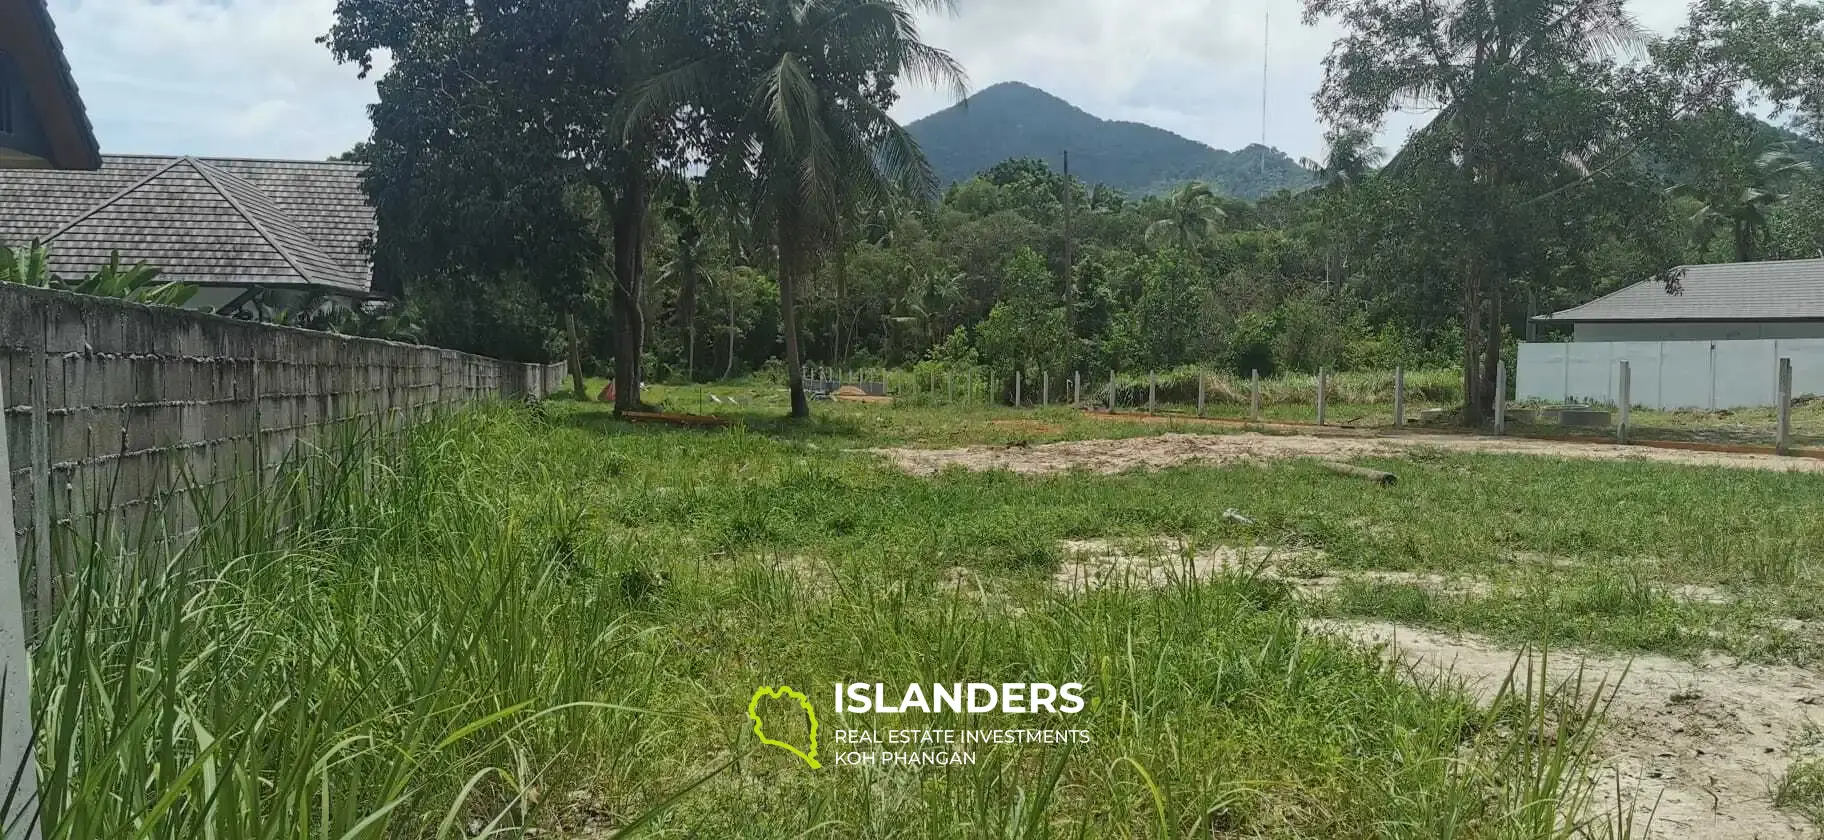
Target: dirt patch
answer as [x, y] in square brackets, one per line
[1031, 427]
[1156, 562]
[1469, 587]
[1112, 456]
[1697, 746]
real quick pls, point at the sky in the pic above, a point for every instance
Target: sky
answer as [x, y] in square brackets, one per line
[246, 78]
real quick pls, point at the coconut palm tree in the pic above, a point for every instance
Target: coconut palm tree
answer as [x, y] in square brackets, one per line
[822, 141]
[1745, 211]
[812, 137]
[1191, 215]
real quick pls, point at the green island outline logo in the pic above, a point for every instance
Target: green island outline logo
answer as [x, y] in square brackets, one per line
[753, 713]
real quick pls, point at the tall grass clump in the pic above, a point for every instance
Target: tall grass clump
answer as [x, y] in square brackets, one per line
[374, 644]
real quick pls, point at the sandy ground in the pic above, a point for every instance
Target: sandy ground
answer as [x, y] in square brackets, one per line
[1698, 746]
[1110, 456]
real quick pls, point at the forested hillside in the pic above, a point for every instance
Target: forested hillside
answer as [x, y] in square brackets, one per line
[1011, 120]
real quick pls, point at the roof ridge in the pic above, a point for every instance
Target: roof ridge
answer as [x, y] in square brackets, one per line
[236, 159]
[109, 201]
[206, 171]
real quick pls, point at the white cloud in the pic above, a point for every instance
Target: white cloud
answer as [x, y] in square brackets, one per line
[213, 77]
[245, 77]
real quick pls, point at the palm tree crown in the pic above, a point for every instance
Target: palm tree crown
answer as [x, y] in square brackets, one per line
[1191, 215]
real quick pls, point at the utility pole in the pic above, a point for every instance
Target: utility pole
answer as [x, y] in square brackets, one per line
[1070, 288]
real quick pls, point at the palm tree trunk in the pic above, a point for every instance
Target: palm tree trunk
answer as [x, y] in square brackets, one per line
[1744, 241]
[629, 218]
[729, 371]
[1472, 345]
[1491, 353]
[789, 263]
[842, 293]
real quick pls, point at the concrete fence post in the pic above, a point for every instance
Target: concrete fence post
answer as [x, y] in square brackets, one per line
[1076, 390]
[1399, 396]
[1045, 388]
[15, 672]
[1500, 398]
[1323, 386]
[949, 387]
[1625, 403]
[1782, 441]
[1254, 395]
[1016, 389]
[1201, 379]
[1152, 392]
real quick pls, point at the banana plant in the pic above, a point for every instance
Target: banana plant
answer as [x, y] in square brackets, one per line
[138, 282]
[28, 265]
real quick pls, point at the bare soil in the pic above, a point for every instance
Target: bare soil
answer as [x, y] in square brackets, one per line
[1697, 746]
[1155, 562]
[1112, 456]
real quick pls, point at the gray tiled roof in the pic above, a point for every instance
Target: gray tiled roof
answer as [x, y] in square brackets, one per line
[205, 221]
[68, 78]
[1780, 290]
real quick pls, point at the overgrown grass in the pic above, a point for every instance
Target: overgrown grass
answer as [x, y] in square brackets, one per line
[552, 619]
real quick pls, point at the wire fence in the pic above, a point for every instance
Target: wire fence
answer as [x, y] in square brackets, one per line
[1363, 399]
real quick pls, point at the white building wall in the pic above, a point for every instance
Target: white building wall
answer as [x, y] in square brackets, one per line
[1698, 330]
[1669, 374]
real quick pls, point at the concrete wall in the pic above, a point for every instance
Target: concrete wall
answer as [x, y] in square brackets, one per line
[1699, 330]
[15, 686]
[1669, 374]
[111, 406]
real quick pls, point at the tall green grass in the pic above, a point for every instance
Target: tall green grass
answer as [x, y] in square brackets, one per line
[375, 645]
[505, 621]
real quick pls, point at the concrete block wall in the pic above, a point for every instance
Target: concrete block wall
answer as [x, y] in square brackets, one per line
[1670, 374]
[115, 410]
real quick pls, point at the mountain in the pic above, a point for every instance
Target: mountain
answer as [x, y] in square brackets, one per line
[1014, 120]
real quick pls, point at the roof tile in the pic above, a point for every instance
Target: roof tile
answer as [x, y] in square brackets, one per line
[220, 221]
[1776, 290]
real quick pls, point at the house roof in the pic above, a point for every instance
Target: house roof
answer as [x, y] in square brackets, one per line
[1777, 290]
[205, 221]
[49, 82]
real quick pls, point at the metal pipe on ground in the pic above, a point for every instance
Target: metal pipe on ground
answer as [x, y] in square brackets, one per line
[1384, 479]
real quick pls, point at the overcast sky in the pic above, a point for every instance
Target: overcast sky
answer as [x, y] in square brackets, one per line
[246, 78]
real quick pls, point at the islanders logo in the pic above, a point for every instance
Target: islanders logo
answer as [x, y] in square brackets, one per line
[753, 714]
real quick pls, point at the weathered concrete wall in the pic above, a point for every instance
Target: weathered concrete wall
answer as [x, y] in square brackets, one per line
[15, 687]
[114, 410]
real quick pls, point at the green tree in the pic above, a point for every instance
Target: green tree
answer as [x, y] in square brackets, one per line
[1519, 89]
[1026, 330]
[1191, 215]
[1748, 198]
